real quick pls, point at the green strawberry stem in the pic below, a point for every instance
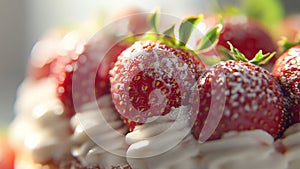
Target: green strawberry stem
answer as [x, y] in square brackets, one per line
[261, 59]
[235, 54]
[186, 28]
[285, 44]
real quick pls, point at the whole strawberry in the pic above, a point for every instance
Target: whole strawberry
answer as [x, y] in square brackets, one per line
[155, 74]
[84, 77]
[238, 95]
[287, 71]
[247, 35]
[150, 78]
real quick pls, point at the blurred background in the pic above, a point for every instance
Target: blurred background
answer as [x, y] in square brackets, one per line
[24, 22]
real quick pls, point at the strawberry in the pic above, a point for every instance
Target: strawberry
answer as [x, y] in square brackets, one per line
[248, 36]
[238, 95]
[155, 74]
[148, 80]
[80, 78]
[287, 71]
[7, 155]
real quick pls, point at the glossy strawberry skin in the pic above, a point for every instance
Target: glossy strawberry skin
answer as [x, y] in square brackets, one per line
[287, 71]
[242, 96]
[84, 77]
[150, 78]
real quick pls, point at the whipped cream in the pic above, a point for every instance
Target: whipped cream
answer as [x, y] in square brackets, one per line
[241, 150]
[163, 143]
[291, 143]
[151, 148]
[40, 123]
[99, 135]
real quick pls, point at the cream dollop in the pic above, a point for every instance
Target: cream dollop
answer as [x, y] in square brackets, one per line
[40, 123]
[151, 147]
[291, 143]
[163, 143]
[98, 138]
[241, 150]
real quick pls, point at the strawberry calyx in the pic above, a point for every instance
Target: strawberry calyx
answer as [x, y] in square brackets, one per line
[285, 44]
[235, 54]
[185, 30]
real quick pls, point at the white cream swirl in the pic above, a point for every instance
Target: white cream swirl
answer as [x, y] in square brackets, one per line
[151, 147]
[40, 123]
[98, 138]
[163, 143]
[291, 144]
[241, 150]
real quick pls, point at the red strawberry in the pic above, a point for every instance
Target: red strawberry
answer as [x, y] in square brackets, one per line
[236, 95]
[150, 78]
[246, 35]
[7, 155]
[157, 73]
[78, 79]
[287, 70]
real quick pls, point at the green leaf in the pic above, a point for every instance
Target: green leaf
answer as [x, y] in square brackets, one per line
[261, 58]
[170, 32]
[236, 54]
[170, 35]
[154, 20]
[186, 28]
[210, 39]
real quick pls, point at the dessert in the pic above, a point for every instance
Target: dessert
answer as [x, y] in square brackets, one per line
[143, 102]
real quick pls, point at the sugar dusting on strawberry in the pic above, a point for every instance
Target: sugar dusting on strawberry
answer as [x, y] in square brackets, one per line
[156, 73]
[247, 97]
[150, 78]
